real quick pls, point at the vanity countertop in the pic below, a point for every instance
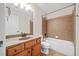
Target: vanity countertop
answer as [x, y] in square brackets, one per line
[13, 41]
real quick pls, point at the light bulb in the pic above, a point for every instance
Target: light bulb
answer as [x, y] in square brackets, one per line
[16, 4]
[28, 7]
[22, 5]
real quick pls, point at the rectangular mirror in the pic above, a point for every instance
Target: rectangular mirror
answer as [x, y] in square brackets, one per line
[17, 20]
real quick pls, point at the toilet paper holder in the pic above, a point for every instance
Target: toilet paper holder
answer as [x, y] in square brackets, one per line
[1, 43]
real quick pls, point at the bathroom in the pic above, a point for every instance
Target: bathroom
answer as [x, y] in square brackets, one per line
[39, 29]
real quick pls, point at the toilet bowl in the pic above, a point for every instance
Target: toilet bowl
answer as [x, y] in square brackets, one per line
[45, 47]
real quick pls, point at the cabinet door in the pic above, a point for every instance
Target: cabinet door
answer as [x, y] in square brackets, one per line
[23, 53]
[29, 52]
[36, 50]
[15, 49]
[26, 52]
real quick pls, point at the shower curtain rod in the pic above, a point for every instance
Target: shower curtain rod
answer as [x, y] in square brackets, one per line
[58, 9]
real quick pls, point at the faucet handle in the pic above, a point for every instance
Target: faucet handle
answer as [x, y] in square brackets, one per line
[23, 34]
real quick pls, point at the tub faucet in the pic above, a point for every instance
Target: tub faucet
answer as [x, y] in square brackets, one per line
[45, 36]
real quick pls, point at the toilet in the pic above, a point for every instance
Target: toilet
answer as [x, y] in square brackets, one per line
[45, 47]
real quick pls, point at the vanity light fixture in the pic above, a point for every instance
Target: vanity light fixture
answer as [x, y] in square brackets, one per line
[25, 6]
[22, 5]
[28, 7]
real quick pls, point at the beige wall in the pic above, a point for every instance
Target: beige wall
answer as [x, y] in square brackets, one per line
[44, 26]
[77, 29]
[63, 27]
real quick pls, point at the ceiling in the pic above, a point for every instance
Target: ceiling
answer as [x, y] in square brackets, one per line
[51, 7]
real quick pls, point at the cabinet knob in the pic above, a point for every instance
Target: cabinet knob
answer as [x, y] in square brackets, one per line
[28, 51]
[15, 50]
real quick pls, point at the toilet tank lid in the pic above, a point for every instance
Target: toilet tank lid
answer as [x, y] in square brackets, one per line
[45, 44]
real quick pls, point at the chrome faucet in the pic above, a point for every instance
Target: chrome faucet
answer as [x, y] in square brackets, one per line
[23, 34]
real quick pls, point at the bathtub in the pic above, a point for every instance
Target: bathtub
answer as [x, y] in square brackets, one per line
[62, 46]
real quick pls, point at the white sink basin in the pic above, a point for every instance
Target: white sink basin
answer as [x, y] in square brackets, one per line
[24, 38]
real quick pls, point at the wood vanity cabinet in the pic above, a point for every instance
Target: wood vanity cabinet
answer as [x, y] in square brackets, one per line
[36, 50]
[23, 53]
[13, 50]
[28, 48]
[26, 52]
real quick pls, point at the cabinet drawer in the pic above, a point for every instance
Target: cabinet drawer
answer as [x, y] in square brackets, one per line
[36, 50]
[26, 52]
[21, 53]
[30, 43]
[15, 49]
